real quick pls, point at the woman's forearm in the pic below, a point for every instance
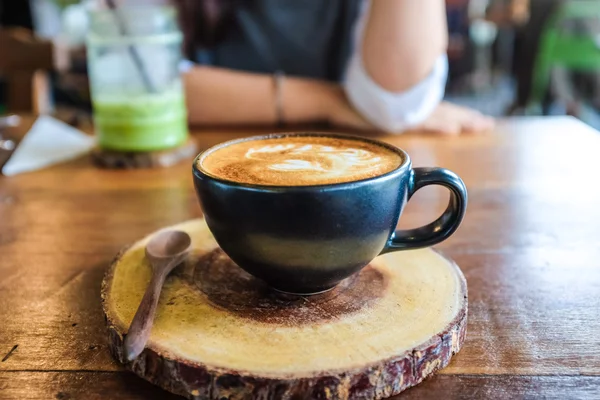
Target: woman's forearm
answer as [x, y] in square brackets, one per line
[223, 96]
[402, 40]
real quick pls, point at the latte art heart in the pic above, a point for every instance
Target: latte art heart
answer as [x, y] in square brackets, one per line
[301, 160]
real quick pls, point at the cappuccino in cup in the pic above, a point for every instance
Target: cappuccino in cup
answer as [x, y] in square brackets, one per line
[300, 161]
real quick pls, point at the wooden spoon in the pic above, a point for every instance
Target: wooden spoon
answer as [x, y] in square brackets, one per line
[164, 251]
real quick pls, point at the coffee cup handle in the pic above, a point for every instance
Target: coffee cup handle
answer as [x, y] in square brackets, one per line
[440, 229]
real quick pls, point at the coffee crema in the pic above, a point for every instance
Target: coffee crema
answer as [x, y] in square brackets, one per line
[300, 161]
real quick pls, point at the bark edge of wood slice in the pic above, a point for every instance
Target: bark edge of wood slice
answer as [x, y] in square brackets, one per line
[378, 333]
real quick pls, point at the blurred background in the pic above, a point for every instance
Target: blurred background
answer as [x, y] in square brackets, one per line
[507, 57]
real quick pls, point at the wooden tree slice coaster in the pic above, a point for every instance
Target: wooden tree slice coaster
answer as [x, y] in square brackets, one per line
[221, 333]
[131, 160]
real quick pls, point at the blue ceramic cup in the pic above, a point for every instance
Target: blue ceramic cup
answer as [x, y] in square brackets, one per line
[307, 239]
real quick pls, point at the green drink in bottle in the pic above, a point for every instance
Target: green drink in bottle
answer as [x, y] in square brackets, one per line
[137, 93]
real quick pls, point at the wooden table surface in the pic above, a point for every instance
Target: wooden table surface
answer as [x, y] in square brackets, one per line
[529, 247]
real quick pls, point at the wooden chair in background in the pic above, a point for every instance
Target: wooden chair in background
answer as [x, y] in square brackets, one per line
[25, 62]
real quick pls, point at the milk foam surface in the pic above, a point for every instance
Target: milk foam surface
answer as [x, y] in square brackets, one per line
[300, 161]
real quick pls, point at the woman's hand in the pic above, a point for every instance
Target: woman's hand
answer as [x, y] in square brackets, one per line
[451, 119]
[446, 119]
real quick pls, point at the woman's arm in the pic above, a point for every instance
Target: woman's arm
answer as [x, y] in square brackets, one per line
[397, 73]
[223, 96]
[402, 41]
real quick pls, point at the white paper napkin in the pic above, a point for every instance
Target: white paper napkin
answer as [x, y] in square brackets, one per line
[49, 142]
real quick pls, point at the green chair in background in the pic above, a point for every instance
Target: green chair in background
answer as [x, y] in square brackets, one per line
[557, 47]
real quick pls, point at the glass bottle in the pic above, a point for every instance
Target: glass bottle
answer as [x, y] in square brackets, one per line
[134, 55]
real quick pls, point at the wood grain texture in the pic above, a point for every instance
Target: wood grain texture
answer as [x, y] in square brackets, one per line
[528, 247]
[44, 385]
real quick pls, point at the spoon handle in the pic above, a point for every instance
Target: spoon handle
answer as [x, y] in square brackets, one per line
[140, 327]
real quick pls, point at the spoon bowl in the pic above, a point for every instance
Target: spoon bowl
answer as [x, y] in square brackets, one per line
[168, 244]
